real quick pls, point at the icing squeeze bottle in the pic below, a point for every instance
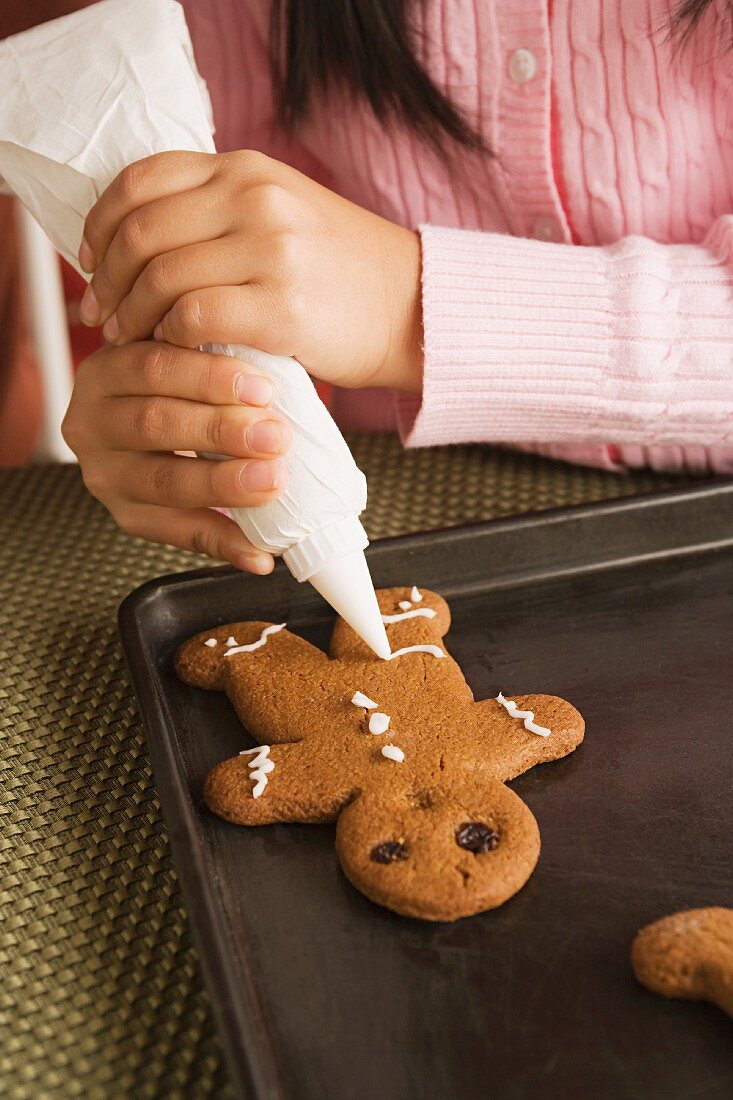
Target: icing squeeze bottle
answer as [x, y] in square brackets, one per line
[314, 523]
[83, 96]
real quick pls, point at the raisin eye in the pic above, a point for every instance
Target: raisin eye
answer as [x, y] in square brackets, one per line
[474, 836]
[389, 851]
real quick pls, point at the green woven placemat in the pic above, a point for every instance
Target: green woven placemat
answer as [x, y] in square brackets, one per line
[100, 993]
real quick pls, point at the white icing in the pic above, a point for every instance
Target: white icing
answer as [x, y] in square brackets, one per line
[378, 722]
[324, 485]
[255, 645]
[527, 715]
[231, 640]
[416, 595]
[434, 649]
[393, 752]
[260, 766]
[361, 700]
[210, 642]
[405, 605]
[418, 612]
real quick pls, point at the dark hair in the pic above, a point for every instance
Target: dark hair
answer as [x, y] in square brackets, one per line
[687, 16]
[368, 48]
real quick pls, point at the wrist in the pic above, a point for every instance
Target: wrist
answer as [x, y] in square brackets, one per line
[403, 365]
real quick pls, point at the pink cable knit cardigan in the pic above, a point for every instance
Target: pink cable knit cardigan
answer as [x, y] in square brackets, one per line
[577, 289]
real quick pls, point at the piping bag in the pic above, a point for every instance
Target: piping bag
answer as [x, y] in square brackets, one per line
[85, 95]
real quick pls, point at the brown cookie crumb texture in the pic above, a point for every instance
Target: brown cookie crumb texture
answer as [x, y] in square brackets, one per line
[427, 827]
[688, 955]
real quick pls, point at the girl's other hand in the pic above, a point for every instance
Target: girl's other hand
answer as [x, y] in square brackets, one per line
[238, 248]
[133, 406]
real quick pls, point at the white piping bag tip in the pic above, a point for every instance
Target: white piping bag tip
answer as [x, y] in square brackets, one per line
[347, 586]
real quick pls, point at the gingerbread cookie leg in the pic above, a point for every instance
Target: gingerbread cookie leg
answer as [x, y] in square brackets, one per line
[688, 955]
[272, 783]
[442, 854]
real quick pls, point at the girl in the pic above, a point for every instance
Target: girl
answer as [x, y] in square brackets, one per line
[482, 220]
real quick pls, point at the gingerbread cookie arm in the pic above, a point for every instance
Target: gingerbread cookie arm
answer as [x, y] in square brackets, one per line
[274, 783]
[519, 731]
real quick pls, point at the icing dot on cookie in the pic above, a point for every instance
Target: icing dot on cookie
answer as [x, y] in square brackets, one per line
[231, 641]
[393, 752]
[404, 605]
[416, 595]
[210, 642]
[361, 700]
[378, 722]
[476, 837]
[389, 851]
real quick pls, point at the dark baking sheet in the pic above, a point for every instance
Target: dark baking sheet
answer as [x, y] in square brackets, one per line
[626, 609]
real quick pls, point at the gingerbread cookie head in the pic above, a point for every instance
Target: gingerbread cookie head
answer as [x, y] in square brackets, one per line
[398, 751]
[688, 955]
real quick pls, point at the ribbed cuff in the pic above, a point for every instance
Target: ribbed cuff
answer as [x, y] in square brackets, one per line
[513, 329]
[532, 342]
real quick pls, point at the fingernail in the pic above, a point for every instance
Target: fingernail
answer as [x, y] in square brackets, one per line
[158, 331]
[266, 437]
[253, 389]
[259, 477]
[89, 307]
[86, 256]
[255, 563]
[111, 329]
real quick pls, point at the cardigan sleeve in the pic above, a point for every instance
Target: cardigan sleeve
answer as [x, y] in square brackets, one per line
[532, 341]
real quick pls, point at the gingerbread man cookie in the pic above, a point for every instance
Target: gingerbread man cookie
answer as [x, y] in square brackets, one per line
[397, 752]
[688, 955]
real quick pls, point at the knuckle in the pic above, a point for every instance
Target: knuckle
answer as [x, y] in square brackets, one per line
[202, 542]
[133, 232]
[158, 276]
[94, 479]
[124, 517]
[76, 428]
[274, 203]
[287, 253]
[218, 430]
[251, 162]
[101, 282]
[162, 481]
[132, 179]
[70, 429]
[91, 228]
[188, 316]
[153, 366]
[223, 482]
[291, 309]
[150, 420]
[209, 376]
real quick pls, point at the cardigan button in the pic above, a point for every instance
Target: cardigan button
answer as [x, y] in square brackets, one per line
[547, 228]
[522, 66]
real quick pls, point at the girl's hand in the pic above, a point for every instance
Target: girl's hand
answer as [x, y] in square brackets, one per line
[133, 406]
[238, 248]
